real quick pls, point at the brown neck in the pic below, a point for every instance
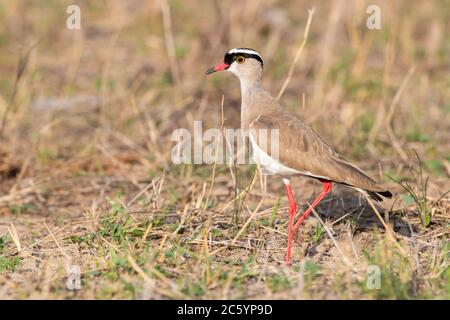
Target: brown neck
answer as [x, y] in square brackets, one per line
[255, 101]
[249, 88]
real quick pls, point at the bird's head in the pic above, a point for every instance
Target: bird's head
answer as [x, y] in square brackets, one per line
[245, 63]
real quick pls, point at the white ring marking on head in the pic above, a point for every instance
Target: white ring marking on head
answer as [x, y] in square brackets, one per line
[248, 51]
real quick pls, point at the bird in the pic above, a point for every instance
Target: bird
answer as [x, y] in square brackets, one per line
[301, 151]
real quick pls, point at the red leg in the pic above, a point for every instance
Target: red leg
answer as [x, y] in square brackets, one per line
[325, 190]
[292, 212]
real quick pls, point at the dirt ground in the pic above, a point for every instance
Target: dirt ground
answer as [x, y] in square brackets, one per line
[92, 207]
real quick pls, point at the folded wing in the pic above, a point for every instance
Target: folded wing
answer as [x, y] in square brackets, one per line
[303, 150]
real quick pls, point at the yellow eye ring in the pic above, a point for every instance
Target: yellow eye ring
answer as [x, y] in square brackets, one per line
[240, 59]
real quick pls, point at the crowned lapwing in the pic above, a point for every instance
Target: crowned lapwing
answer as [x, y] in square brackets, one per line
[301, 151]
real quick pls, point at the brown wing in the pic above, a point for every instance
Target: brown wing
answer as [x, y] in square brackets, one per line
[302, 149]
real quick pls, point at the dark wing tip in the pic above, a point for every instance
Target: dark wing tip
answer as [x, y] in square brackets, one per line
[376, 195]
[386, 194]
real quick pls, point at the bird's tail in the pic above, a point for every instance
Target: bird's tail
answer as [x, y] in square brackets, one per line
[376, 195]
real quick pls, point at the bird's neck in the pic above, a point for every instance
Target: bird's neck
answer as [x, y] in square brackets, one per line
[248, 89]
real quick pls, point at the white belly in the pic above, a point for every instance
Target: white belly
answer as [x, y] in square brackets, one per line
[272, 166]
[268, 164]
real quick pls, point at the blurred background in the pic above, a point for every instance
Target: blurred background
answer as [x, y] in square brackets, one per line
[86, 118]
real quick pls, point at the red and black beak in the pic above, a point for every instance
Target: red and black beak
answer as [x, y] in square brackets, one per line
[219, 67]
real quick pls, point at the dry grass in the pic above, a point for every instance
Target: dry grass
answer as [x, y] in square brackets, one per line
[86, 176]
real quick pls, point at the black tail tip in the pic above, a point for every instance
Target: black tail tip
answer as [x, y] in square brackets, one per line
[386, 194]
[376, 195]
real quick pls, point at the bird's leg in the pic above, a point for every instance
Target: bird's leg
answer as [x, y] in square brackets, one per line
[292, 212]
[325, 190]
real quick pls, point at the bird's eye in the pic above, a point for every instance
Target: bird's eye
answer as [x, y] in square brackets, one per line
[240, 59]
